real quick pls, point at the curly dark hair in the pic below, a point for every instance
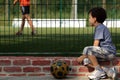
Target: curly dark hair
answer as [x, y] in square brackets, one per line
[99, 13]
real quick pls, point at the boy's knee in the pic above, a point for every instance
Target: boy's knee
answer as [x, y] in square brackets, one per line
[87, 51]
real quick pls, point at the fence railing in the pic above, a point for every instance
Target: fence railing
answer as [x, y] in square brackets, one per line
[61, 25]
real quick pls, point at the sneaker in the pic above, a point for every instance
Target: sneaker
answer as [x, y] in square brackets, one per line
[86, 61]
[97, 74]
[96, 79]
[18, 33]
[112, 73]
[33, 33]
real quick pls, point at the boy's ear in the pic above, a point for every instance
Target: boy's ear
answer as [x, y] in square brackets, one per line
[95, 18]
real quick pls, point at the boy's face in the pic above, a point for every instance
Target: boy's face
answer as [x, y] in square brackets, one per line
[92, 20]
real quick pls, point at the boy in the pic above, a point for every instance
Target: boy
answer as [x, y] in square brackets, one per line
[25, 8]
[102, 48]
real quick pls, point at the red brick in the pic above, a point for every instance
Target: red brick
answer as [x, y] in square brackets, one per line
[31, 69]
[2, 75]
[83, 69]
[73, 70]
[18, 57]
[5, 62]
[17, 74]
[36, 74]
[41, 62]
[21, 62]
[75, 63]
[46, 69]
[0, 69]
[12, 69]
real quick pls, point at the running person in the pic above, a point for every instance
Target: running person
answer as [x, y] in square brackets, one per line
[25, 9]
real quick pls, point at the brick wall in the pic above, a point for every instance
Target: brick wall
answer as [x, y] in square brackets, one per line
[40, 66]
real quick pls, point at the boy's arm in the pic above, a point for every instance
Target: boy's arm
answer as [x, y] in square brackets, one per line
[96, 43]
[15, 1]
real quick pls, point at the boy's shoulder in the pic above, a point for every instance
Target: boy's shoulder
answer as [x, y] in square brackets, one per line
[101, 26]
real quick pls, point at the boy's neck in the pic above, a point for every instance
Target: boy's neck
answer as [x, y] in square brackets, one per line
[96, 24]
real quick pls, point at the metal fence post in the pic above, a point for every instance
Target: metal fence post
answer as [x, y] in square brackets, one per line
[60, 12]
[8, 13]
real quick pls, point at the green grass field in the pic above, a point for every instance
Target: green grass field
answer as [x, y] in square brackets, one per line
[50, 40]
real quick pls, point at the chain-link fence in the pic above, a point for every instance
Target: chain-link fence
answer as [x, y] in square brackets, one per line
[60, 25]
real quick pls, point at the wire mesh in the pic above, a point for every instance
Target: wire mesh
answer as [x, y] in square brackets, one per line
[61, 25]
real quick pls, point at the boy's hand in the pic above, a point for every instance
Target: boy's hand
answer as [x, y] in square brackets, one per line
[80, 59]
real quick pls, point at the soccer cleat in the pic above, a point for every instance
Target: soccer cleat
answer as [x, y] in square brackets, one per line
[18, 33]
[97, 74]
